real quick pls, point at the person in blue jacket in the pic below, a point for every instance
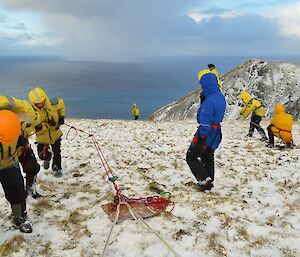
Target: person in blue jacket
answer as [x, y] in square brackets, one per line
[200, 155]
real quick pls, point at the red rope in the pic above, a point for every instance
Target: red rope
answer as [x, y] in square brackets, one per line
[156, 203]
[104, 162]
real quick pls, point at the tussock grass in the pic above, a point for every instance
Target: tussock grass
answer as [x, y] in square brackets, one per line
[155, 187]
[12, 246]
[242, 231]
[258, 243]
[41, 206]
[46, 249]
[215, 245]
[180, 233]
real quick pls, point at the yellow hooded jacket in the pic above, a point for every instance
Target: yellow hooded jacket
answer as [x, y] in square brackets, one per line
[251, 105]
[29, 119]
[50, 113]
[8, 155]
[135, 111]
[281, 124]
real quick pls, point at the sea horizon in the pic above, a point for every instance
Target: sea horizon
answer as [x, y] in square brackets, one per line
[102, 90]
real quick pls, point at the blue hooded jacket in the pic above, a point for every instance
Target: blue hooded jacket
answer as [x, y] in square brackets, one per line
[211, 111]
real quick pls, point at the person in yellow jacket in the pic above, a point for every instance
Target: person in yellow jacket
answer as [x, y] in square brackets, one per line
[10, 174]
[30, 122]
[251, 105]
[135, 112]
[52, 113]
[280, 126]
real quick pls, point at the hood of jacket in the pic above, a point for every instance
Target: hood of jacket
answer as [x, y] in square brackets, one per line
[246, 97]
[38, 95]
[209, 82]
[279, 108]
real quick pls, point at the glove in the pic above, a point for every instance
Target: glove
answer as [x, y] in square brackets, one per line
[52, 122]
[38, 127]
[22, 141]
[202, 144]
[61, 120]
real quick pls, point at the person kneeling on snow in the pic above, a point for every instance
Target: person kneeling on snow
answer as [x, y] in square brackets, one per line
[52, 113]
[258, 112]
[280, 126]
[200, 155]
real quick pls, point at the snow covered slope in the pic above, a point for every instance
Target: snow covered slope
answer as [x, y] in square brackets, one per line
[269, 81]
[253, 210]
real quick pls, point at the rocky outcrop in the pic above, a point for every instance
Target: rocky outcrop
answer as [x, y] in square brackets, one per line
[270, 82]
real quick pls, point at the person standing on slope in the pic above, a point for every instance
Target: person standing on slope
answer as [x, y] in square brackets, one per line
[135, 112]
[255, 107]
[10, 174]
[280, 126]
[200, 155]
[30, 123]
[52, 113]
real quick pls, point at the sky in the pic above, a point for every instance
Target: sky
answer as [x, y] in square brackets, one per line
[131, 30]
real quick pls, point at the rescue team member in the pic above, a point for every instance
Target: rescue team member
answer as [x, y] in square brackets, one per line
[30, 123]
[255, 107]
[135, 112]
[10, 174]
[280, 126]
[52, 113]
[200, 155]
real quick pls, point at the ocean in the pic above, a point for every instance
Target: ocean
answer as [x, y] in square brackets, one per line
[96, 90]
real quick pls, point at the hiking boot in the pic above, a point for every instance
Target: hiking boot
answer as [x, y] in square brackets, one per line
[57, 171]
[249, 134]
[206, 185]
[22, 224]
[264, 139]
[270, 145]
[33, 192]
[46, 165]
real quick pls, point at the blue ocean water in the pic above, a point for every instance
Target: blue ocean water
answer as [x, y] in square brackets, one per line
[108, 90]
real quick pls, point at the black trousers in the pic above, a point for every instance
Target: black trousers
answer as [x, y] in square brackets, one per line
[270, 134]
[201, 164]
[46, 155]
[254, 124]
[29, 165]
[13, 187]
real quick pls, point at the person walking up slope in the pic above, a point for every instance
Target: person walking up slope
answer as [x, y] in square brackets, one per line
[52, 113]
[200, 155]
[280, 126]
[10, 174]
[30, 123]
[258, 112]
[135, 112]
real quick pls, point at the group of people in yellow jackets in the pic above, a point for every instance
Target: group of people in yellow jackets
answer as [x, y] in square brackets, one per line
[280, 125]
[20, 119]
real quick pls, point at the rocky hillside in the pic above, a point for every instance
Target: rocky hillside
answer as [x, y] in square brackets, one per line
[269, 81]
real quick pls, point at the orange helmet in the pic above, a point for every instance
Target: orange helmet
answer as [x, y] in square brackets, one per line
[10, 127]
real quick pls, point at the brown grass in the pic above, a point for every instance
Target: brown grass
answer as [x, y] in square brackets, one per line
[12, 246]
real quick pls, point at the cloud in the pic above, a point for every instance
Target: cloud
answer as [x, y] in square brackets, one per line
[205, 15]
[135, 29]
[288, 19]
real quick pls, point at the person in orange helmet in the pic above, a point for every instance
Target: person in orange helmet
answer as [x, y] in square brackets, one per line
[10, 174]
[280, 126]
[30, 123]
